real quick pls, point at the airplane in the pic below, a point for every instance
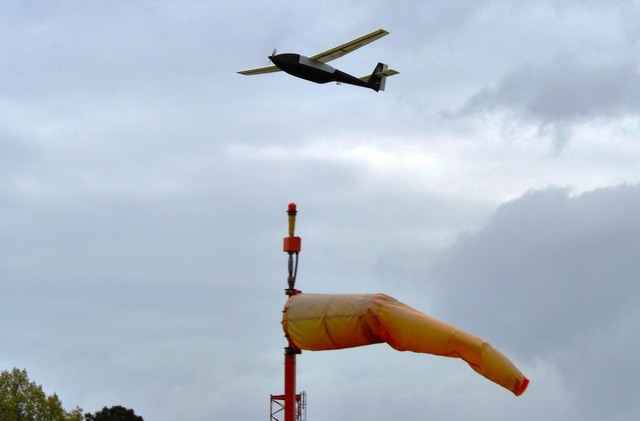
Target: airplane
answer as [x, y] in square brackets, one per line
[316, 70]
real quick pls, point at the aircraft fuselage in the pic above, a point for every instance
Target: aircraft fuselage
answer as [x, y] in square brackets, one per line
[313, 70]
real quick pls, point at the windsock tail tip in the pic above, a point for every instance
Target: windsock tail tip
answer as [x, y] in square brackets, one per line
[522, 387]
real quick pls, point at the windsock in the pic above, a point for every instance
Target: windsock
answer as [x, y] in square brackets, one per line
[317, 322]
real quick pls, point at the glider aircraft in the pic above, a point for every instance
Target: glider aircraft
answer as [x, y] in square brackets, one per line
[316, 70]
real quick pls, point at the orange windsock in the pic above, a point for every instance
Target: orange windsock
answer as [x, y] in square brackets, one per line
[318, 322]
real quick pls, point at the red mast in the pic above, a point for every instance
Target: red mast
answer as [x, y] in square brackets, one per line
[293, 405]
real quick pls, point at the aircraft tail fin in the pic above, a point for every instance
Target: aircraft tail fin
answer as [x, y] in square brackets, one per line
[378, 78]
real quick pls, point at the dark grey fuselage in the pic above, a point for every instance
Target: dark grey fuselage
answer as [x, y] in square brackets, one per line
[314, 71]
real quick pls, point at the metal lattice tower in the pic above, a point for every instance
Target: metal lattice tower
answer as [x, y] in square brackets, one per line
[277, 407]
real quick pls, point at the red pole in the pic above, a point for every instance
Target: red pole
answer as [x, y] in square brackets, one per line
[292, 245]
[290, 384]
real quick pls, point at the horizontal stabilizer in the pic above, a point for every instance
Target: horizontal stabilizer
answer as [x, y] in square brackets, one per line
[385, 73]
[378, 78]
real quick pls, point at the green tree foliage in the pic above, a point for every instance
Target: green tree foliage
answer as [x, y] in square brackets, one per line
[115, 413]
[22, 400]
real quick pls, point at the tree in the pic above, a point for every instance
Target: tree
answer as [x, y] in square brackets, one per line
[22, 400]
[115, 413]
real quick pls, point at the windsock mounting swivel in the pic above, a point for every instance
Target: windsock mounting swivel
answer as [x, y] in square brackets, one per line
[292, 245]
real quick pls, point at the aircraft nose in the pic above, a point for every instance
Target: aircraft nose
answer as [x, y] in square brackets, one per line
[275, 58]
[284, 59]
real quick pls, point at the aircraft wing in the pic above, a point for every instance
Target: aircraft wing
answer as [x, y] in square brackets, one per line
[348, 47]
[259, 70]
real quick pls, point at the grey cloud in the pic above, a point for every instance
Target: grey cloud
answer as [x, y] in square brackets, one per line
[560, 94]
[564, 92]
[143, 209]
[553, 276]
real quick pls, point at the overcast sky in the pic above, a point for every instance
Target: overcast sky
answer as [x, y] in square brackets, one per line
[495, 185]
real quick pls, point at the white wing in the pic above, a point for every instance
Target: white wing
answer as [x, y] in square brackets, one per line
[328, 55]
[259, 70]
[348, 47]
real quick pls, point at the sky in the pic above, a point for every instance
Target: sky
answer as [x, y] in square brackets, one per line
[494, 185]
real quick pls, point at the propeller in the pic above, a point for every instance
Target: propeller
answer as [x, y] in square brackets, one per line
[273, 53]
